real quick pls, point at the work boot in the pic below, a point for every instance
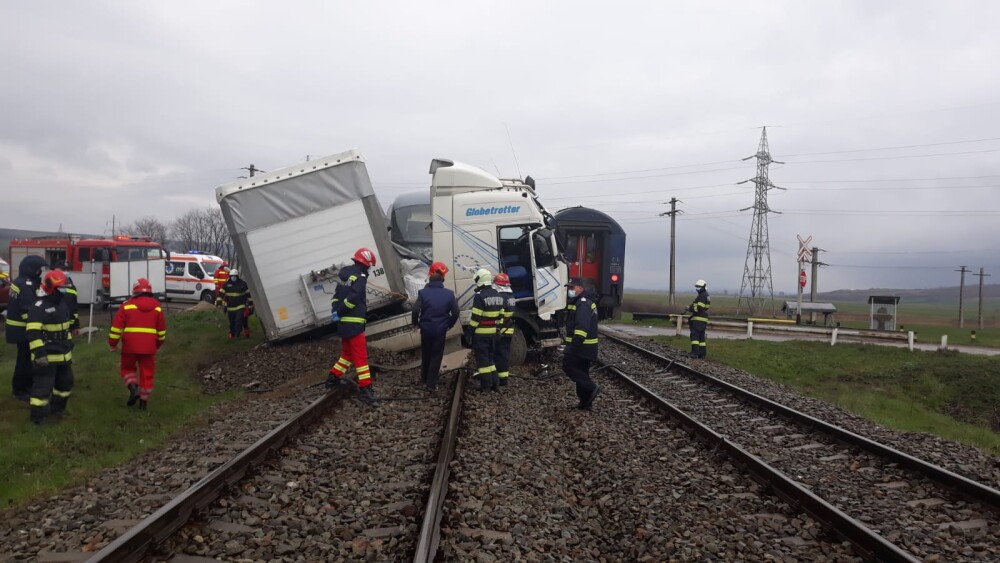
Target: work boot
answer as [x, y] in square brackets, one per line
[38, 414]
[133, 394]
[143, 405]
[585, 405]
[367, 395]
[333, 382]
[503, 381]
[230, 336]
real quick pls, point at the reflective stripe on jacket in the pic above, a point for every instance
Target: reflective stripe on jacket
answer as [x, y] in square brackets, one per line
[487, 311]
[48, 329]
[350, 301]
[235, 294]
[140, 325]
[581, 327]
[699, 309]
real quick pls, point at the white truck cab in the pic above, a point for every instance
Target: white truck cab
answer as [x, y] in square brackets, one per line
[191, 276]
[481, 221]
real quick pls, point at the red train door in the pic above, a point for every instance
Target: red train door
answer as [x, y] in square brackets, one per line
[584, 256]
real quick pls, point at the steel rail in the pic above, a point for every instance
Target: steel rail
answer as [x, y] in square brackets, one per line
[971, 490]
[157, 527]
[866, 541]
[430, 530]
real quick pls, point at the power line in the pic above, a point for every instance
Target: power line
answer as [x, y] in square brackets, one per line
[893, 148]
[893, 157]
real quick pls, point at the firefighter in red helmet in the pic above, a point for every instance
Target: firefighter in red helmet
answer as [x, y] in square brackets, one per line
[50, 338]
[435, 312]
[220, 278]
[349, 307]
[142, 328]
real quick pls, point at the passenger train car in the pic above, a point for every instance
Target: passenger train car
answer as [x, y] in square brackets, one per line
[594, 246]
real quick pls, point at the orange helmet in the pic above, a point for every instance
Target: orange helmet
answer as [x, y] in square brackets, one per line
[54, 279]
[502, 279]
[438, 268]
[142, 285]
[364, 257]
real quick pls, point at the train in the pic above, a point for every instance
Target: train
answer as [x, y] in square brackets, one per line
[594, 247]
[590, 241]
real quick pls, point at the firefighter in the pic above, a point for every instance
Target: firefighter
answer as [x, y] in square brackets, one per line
[220, 277]
[349, 307]
[581, 343]
[487, 311]
[72, 298]
[235, 293]
[506, 329]
[142, 328]
[23, 293]
[435, 312]
[50, 340]
[699, 320]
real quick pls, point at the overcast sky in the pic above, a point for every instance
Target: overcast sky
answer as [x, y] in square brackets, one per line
[885, 113]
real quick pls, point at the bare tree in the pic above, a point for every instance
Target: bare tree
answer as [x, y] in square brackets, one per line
[204, 230]
[148, 226]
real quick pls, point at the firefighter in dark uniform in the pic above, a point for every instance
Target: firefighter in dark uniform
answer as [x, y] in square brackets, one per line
[699, 320]
[435, 312]
[50, 339]
[487, 311]
[236, 296]
[23, 294]
[69, 290]
[502, 284]
[581, 343]
[349, 308]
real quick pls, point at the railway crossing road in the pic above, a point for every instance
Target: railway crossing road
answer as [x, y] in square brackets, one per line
[714, 332]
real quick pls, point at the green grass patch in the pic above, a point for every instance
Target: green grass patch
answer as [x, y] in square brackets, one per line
[100, 431]
[947, 394]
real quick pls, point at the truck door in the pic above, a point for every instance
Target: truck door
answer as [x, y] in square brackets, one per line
[550, 275]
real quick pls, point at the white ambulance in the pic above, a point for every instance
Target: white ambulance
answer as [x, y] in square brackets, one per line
[191, 276]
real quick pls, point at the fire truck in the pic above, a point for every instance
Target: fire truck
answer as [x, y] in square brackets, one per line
[103, 269]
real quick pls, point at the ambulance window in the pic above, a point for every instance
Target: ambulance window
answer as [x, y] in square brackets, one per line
[195, 270]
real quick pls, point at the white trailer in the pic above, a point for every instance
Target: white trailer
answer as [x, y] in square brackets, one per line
[295, 227]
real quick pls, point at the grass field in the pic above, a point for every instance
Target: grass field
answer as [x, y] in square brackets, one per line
[928, 320]
[951, 395]
[99, 430]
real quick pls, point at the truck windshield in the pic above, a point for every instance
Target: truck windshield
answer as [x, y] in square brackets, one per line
[137, 253]
[413, 224]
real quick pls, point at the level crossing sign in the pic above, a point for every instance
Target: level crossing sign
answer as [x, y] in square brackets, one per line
[805, 252]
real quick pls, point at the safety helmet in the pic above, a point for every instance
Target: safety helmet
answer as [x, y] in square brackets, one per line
[483, 277]
[53, 280]
[365, 257]
[142, 285]
[502, 279]
[234, 273]
[225, 263]
[438, 268]
[700, 284]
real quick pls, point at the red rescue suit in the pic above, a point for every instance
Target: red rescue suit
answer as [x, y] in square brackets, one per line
[142, 328]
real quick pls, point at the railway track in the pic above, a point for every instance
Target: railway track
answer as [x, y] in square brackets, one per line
[526, 478]
[889, 503]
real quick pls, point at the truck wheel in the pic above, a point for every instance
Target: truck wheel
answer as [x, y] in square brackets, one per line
[518, 348]
[100, 301]
[207, 296]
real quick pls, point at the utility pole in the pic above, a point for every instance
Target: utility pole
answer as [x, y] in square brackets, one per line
[981, 276]
[253, 169]
[812, 287]
[961, 296]
[757, 267]
[673, 238]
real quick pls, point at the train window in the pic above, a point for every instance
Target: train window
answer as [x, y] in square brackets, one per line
[571, 247]
[591, 249]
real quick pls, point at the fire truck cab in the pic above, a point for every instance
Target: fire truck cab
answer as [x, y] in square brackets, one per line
[103, 270]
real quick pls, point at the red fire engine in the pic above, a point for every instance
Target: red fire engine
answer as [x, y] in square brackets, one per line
[99, 254]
